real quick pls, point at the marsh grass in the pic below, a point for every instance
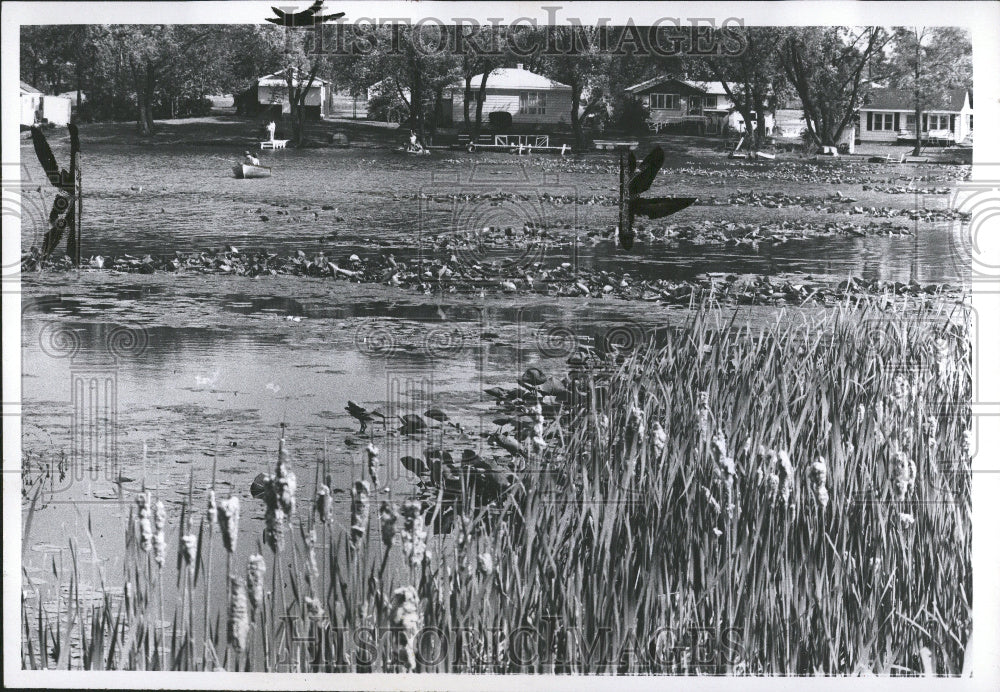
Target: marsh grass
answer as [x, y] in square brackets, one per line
[786, 500]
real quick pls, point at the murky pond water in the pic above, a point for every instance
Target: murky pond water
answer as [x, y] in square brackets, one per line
[210, 367]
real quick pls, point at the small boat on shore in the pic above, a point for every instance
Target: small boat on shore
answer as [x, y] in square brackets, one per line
[244, 170]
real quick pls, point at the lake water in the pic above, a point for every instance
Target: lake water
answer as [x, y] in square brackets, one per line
[210, 367]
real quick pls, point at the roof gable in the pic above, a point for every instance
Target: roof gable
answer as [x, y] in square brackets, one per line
[515, 78]
[680, 86]
[903, 99]
[278, 79]
[28, 89]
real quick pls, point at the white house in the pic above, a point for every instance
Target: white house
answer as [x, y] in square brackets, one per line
[272, 91]
[891, 115]
[530, 98]
[37, 107]
[703, 104]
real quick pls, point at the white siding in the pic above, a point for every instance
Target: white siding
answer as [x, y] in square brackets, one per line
[57, 109]
[29, 104]
[276, 94]
[907, 122]
[557, 106]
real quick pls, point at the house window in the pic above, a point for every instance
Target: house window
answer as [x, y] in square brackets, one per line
[911, 122]
[532, 103]
[663, 102]
[695, 105]
[883, 121]
[937, 122]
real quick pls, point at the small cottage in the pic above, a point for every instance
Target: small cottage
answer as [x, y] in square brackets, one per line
[531, 99]
[272, 95]
[891, 115]
[37, 107]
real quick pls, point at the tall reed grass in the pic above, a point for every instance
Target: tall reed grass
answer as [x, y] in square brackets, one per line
[787, 500]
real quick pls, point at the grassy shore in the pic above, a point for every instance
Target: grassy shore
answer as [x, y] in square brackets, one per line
[792, 500]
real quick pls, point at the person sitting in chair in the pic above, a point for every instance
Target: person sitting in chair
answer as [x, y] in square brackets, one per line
[250, 160]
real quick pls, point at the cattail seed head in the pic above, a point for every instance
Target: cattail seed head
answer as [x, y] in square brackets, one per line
[413, 535]
[255, 581]
[159, 539]
[323, 503]
[902, 473]
[312, 569]
[659, 438]
[389, 517]
[373, 463]
[213, 510]
[314, 609]
[817, 480]
[284, 482]
[229, 522]
[786, 475]
[704, 413]
[906, 521]
[274, 527]
[406, 621]
[359, 510]
[189, 548]
[145, 522]
[239, 615]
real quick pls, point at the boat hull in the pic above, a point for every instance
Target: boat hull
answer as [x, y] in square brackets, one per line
[247, 171]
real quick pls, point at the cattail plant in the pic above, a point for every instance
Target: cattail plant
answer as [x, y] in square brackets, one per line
[239, 614]
[359, 510]
[284, 483]
[413, 534]
[704, 414]
[389, 518]
[538, 427]
[726, 467]
[312, 569]
[902, 473]
[817, 481]
[212, 513]
[255, 582]
[373, 464]
[189, 548]
[659, 438]
[159, 538]
[229, 522]
[406, 623]
[145, 522]
[323, 503]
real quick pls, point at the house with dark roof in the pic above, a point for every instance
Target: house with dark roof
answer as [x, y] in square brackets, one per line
[531, 99]
[704, 105]
[891, 115]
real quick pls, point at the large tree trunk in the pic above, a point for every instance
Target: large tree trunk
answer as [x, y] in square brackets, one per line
[916, 97]
[575, 117]
[466, 104]
[480, 102]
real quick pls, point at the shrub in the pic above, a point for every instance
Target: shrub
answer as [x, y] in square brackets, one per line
[501, 121]
[631, 116]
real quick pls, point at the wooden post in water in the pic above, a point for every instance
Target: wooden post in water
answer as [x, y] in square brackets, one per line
[79, 209]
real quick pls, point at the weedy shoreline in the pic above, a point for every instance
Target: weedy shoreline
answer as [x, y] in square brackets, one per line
[791, 500]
